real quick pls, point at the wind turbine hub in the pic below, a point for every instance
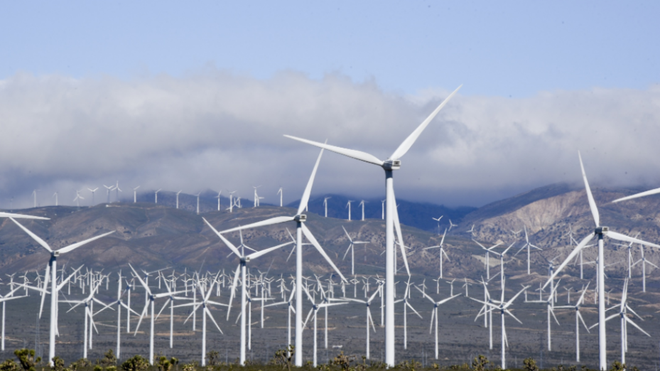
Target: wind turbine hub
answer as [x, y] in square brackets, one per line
[55, 254]
[392, 165]
[300, 218]
[602, 230]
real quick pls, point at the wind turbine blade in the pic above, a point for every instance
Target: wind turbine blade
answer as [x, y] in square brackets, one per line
[570, 257]
[161, 309]
[358, 155]
[59, 287]
[425, 295]
[208, 312]
[515, 296]
[144, 312]
[43, 295]
[34, 236]
[347, 235]
[233, 289]
[512, 316]
[140, 279]
[308, 189]
[316, 244]
[371, 320]
[623, 237]
[408, 142]
[397, 228]
[21, 216]
[583, 323]
[229, 244]
[637, 195]
[634, 324]
[347, 250]
[78, 244]
[307, 319]
[413, 309]
[271, 221]
[592, 202]
[553, 316]
[448, 299]
[266, 251]
[432, 315]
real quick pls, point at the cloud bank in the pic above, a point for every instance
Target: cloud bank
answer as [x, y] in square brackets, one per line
[217, 130]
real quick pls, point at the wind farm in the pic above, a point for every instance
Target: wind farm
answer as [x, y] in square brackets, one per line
[233, 228]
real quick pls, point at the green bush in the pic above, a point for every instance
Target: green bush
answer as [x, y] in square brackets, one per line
[480, 363]
[166, 365]
[9, 365]
[26, 359]
[109, 359]
[135, 363]
[530, 364]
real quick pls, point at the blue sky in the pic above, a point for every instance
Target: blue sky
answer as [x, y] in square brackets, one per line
[177, 96]
[515, 48]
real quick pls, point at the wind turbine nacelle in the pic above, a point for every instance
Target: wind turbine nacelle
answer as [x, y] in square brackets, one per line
[301, 218]
[392, 165]
[602, 230]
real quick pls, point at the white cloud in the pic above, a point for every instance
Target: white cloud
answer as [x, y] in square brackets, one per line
[218, 130]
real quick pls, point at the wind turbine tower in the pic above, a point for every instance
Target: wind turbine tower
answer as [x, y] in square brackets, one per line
[117, 190]
[348, 204]
[279, 192]
[325, 205]
[135, 194]
[362, 204]
[177, 198]
[156, 195]
[93, 191]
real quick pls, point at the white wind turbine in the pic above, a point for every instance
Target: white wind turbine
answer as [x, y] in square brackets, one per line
[362, 204]
[89, 316]
[120, 304]
[218, 197]
[314, 311]
[434, 315]
[4, 299]
[550, 306]
[406, 305]
[78, 198]
[156, 195]
[351, 248]
[117, 190]
[152, 299]
[325, 205]
[301, 229]
[56, 200]
[503, 307]
[578, 319]
[52, 267]
[348, 205]
[528, 246]
[438, 220]
[257, 199]
[198, 202]
[170, 300]
[623, 315]
[442, 249]
[135, 194]
[644, 261]
[279, 192]
[382, 209]
[93, 193]
[452, 225]
[107, 193]
[389, 165]
[369, 318]
[599, 232]
[205, 312]
[488, 251]
[241, 269]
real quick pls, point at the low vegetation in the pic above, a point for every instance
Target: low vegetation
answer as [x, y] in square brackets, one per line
[282, 360]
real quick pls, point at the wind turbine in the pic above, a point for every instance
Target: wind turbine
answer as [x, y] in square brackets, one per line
[205, 312]
[256, 197]
[314, 311]
[52, 266]
[135, 194]
[644, 261]
[301, 229]
[488, 251]
[434, 315]
[550, 306]
[528, 246]
[599, 232]
[56, 200]
[578, 319]
[198, 202]
[89, 315]
[438, 220]
[78, 198]
[362, 204]
[218, 197]
[503, 307]
[241, 269]
[382, 209]
[442, 249]
[279, 192]
[117, 190]
[93, 193]
[152, 299]
[389, 165]
[351, 248]
[406, 305]
[348, 204]
[107, 193]
[4, 299]
[325, 205]
[452, 225]
[156, 195]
